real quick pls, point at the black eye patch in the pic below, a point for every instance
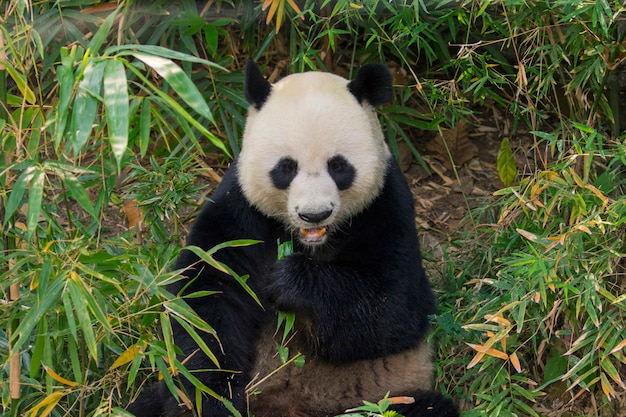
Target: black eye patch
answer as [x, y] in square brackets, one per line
[341, 171]
[284, 172]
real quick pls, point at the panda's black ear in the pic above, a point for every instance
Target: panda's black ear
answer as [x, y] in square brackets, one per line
[256, 88]
[372, 84]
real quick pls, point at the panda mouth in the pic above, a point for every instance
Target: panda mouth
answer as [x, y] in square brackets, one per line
[313, 235]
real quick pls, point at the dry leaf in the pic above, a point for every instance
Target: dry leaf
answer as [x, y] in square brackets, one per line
[457, 141]
[133, 213]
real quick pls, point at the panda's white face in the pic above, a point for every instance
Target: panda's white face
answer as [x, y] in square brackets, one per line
[312, 156]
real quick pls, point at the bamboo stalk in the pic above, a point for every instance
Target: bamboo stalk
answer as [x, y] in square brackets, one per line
[15, 363]
[14, 289]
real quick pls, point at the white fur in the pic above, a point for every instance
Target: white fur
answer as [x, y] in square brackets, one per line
[312, 117]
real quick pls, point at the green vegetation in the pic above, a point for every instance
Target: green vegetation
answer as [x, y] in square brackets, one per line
[112, 120]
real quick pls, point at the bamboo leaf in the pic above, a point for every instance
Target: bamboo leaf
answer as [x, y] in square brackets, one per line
[35, 197]
[199, 340]
[507, 169]
[169, 101]
[131, 49]
[74, 186]
[145, 122]
[515, 362]
[168, 337]
[41, 341]
[86, 104]
[102, 33]
[58, 377]
[610, 370]
[42, 306]
[182, 310]
[18, 191]
[65, 77]
[47, 404]
[117, 107]
[179, 81]
[20, 82]
[82, 315]
[127, 356]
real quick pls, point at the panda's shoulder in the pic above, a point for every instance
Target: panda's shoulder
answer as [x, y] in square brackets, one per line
[396, 191]
[220, 217]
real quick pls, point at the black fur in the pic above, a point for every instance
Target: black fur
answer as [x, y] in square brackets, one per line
[372, 84]
[284, 172]
[341, 171]
[256, 88]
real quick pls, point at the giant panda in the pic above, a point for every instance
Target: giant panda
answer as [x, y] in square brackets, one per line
[314, 169]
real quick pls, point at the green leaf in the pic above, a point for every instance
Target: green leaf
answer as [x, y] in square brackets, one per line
[117, 107]
[206, 257]
[507, 169]
[41, 341]
[181, 309]
[18, 191]
[65, 76]
[86, 104]
[42, 306]
[35, 197]
[102, 33]
[233, 244]
[168, 337]
[74, 186]
[145, 122]
[132, 49]
[77, 191]
[179, 81]
[82, 315]
[199, 340]
[177, 108]
[20, 82]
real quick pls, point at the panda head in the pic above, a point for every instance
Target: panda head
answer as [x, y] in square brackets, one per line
[313, 152]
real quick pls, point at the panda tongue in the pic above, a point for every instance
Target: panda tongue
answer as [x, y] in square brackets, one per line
[313, 234]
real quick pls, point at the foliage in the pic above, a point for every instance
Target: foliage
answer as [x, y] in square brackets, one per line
[83, 294]
[104, 109]
[547, 288]
[379, 409]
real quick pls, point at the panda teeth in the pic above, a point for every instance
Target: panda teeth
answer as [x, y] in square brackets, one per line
[314, 234]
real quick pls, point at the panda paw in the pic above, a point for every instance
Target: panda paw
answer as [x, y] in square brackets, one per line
[287, 287]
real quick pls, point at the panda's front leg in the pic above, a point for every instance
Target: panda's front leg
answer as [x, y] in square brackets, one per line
[344, 305]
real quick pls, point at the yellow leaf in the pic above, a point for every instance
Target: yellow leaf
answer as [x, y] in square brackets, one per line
[497, 354]
[127, 356]
[185, 399]
[476, 359]
[515, 362]
[607, 388]
[49, 403]
[295, 7]
[498, 319]
[270, 13]
[58, 377]
[530, 236]
[618, 347]
[489, 351]
[399, 400]
[280, 14]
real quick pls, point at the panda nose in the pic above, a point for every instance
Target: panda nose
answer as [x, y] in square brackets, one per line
[315, 217]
